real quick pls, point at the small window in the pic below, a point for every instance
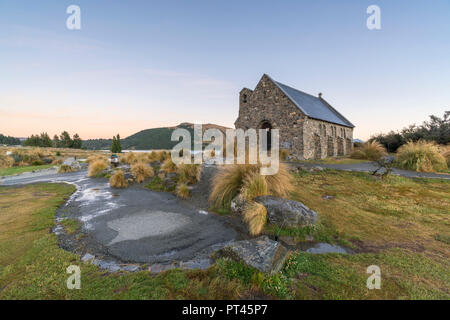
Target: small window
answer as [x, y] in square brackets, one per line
[244, 98]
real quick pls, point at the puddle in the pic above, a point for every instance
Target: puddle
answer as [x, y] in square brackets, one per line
[318, 247]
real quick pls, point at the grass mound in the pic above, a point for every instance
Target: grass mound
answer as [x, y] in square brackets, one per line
[372, 150]
[255, 215]
[6, 161]
[117, 180]
[182, 191]
[189, 173]
[97, 166]
[142, 171]
[421, 156]
[169, 166]
[65, 169]
[246, 179]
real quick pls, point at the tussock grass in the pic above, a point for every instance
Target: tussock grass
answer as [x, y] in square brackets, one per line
[445, 151]
[182, 191]
[371, 150]
[117, 180]
[284, 154]
[65, 169]
[6, 161]
[246, 179]
[158, 156]
[255, 215]
[421, 156]
[189, 173]
[96, 157]
[169, 166]
[97, 166]
[142, 171]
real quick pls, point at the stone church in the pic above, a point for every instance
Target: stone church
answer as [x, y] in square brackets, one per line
[310, 128]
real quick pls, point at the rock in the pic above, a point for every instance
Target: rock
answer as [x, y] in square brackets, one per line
[327, 197]
[317, 168]
[128, 177]
[237, 204]
[261, 253]
[72, 163]
[171, 175]
[289, 240]
[287, 213]
[155, 164]
[87, 257]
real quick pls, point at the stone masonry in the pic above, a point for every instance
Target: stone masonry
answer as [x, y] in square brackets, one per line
[304, 137]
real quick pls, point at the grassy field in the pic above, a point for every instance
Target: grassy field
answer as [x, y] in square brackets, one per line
[16, 170]
[399, 224]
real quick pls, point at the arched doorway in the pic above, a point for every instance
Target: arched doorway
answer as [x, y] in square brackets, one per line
[265, 125]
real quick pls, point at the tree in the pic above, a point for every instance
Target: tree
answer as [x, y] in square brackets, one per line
[116, 146]
[56, 142]
[66, 141]
[76, 142]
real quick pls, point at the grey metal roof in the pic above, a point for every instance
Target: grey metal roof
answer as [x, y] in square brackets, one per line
[313, 107]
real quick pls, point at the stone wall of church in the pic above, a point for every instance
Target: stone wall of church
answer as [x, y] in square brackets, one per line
[305, 138]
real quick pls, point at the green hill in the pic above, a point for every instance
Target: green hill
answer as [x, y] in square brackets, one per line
[156, 138]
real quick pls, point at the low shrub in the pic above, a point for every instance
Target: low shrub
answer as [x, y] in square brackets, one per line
[169, 166]
[182, 191]
[189, 173]
[247, 180]
[65, 168]
[96, 166]
[284, 154]
[37, 163]
[6, 161]
[117, 180]
[142, 171]
[255, 216]
[371, 150]
[421, 156]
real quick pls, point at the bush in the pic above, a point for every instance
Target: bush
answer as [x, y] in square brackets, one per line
[189, 173]
[117, 180]
[421, 156]
[6, 161]
[37, 163]
[142, 171]
[255, 215]
[169, 166]
[284, 154]
[65, 168]
[182, 191]
[97, 166]
[246, 179]
[445, 151]
[371, 150]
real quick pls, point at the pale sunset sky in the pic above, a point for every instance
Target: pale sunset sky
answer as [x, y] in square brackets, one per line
[135, 65]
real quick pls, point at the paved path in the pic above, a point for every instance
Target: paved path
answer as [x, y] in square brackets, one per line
[370, 167]
[137, 224]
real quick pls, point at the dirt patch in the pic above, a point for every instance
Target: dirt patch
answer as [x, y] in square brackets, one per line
[368, 247]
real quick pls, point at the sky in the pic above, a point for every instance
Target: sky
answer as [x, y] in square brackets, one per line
[135, 65]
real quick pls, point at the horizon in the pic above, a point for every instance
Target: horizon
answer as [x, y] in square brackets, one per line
[141, 65]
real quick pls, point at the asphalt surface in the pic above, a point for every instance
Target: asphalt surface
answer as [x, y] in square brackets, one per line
[136, 224]
[370, 167]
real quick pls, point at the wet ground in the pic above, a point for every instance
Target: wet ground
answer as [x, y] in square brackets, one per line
[135, 224]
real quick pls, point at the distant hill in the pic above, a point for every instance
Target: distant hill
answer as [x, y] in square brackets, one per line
[156, 138]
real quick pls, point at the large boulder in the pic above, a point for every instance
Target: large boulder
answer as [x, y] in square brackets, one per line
[237, 204]
[287, 213]
[261, 253]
